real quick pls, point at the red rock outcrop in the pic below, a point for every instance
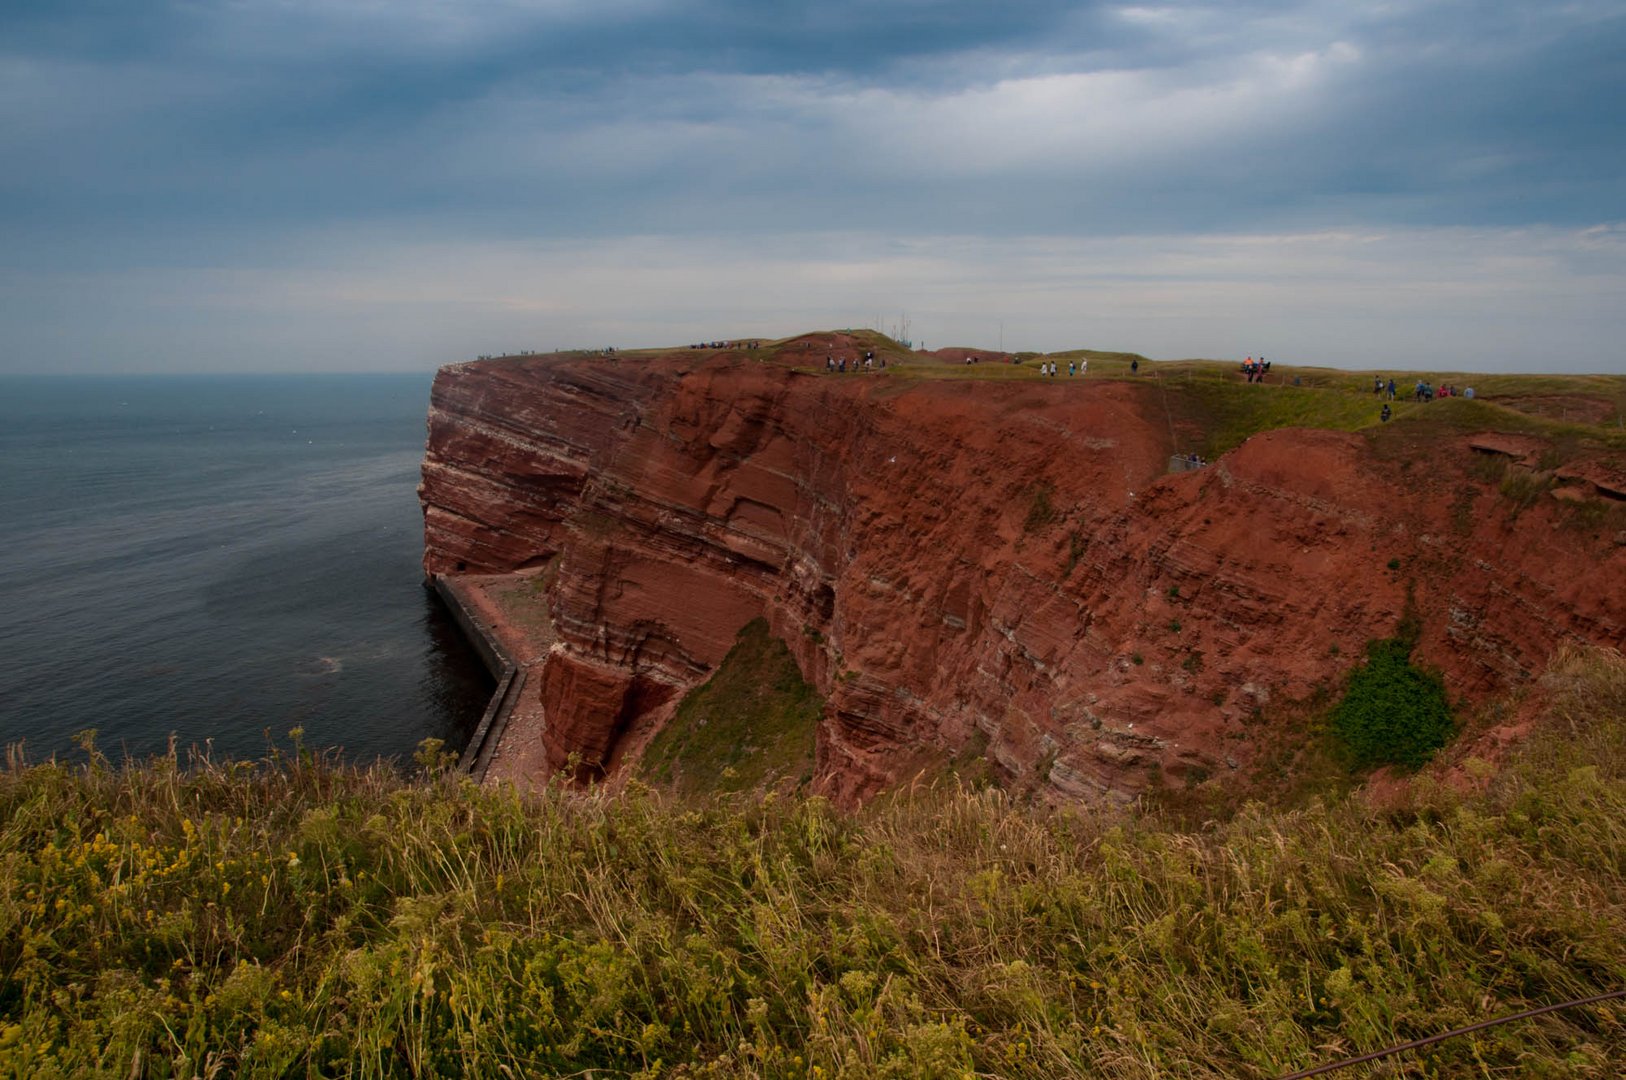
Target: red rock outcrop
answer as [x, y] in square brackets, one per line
[949, 557]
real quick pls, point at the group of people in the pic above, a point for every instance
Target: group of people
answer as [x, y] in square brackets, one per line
[727, 345]
[504, 356]
[1074, 367]
[1424, 391]
[1427, 391]
[1255, 370]
[869, 362]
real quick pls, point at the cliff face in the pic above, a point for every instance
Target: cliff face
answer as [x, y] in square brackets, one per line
[955, 557]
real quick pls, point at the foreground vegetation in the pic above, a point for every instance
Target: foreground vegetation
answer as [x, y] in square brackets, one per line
[295, 917]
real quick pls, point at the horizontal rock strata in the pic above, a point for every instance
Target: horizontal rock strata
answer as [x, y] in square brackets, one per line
[960, 563]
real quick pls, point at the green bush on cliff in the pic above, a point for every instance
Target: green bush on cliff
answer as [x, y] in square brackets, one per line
[1393, 713]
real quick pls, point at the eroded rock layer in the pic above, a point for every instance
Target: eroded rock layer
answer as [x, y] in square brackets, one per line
[960, 563]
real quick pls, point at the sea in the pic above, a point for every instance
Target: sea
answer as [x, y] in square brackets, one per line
[219, 561]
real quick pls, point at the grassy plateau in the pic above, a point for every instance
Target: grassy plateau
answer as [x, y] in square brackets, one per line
[1213, 407]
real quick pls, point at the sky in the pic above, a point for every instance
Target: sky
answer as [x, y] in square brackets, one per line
[361, 185]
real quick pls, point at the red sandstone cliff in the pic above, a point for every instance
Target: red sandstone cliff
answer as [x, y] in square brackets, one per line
[958, 556]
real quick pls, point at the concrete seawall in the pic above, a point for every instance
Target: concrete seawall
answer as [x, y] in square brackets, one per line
[510, 677]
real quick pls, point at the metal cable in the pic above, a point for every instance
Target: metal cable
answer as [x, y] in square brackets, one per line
[1415, 1043]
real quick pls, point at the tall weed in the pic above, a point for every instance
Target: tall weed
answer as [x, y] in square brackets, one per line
[299, 917]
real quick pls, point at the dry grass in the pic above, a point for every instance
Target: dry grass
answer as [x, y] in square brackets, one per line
[295, 917]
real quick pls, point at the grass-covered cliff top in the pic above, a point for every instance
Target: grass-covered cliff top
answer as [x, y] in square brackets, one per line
[1216, 409]
[1213, 402]
[295, 917]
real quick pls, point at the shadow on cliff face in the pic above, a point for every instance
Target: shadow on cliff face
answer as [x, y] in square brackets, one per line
[645, 697]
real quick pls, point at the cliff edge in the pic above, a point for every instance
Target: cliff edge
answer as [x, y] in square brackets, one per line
[992, 565]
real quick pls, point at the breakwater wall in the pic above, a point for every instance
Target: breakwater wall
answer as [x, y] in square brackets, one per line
[510, 677]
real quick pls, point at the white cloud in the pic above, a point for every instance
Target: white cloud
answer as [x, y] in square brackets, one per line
[1091, 120]
[799, 129]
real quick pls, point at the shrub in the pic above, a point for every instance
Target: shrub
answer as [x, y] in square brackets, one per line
[1075, 551]
[1393, 712]
[1041, 512]
[1524, 488]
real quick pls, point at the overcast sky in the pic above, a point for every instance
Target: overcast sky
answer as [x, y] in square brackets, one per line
[355, 185]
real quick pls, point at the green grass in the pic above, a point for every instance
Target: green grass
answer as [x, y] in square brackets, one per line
[1209, 394]
[1103, 365]
[523, 600]
[1103, 356]
[1216, 410]
[296, 917]
[913, 370]
[1607, 388]
[1207, 397]
[1227, 412]
[751, 724]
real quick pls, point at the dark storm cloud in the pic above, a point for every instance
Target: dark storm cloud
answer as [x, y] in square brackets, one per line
[214, 136]
[581, 116]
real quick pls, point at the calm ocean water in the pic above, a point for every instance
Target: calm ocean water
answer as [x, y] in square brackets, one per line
[218, 557]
